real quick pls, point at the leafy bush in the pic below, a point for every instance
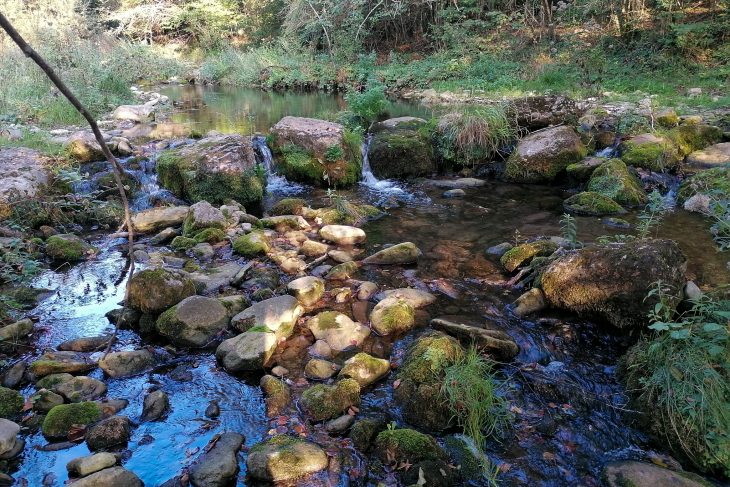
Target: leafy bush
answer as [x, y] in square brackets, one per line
[369, 104]
[681, 380]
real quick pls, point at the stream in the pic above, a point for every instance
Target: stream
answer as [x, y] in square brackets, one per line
[568, 414]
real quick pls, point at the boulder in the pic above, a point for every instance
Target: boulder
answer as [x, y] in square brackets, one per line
[285, 458]
[638, 474]
[214, 169]
[713, 156]
[81, 389]
[541, 156]
[8, 436]
[537, 112]
[414, 297]
[392, 316]
[342, 234]
[196, 321]
[116, 476]
[611, 282]
[308, 290]
[252, 244]
[201, 216]
[495, 342]
[15, 332]
[59, 420]
[278, 315]
[277, 394]
[285, 223]
[155, 219]
[67, 248]
[365, 369]
[107, 433]
[580, 172]
[322, 401]
[127, 363]
[613, 180]
[649, 151]
[338, 331]
[523, 254]
[23, 173]
[218, 466]
[316, 151]
[60, 362]
[710, 184]
[403, 253]
[153, 291]
[319, 369]
[45, 400]
[11, 402]
[310, 248]
[421, 377]
[135, 113]
[288, 206]
[214, 278]
[155, 405]
[249, 351]
[83, 147]
[407, 445]
[401, 148]
[530, 302]
[84, 344]
[83, 466]
[342, 272]
[589, 203]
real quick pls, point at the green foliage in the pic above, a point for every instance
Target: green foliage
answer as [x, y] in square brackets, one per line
[569, 229]
[36, 140]
[652, 214]
[334, 153]
[471, 390]
[475, 135]
[18, 261]
[368, 104]
[681, 377]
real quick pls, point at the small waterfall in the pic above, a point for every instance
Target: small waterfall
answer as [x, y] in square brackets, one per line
[611, 151]
[275, 183]
[368, 179]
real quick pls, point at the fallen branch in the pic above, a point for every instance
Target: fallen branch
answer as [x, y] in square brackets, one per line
[117, 169]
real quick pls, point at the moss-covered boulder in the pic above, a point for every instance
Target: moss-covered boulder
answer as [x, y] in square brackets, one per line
[689, 138]
[392, 316]
[342, 272]
[214, 169]
[580, 172]
[364, 432]
[277, 395]
[589, 203]
[650, 151]
[316, 151]
[407, 445]
[523, 254]
[252, 244]
[716, 155]
[11, 402]
[248, 351]
[365, 369]
[194, 322]
[59, 420]
[402, 253]
[153, 291]
[285, 458]
[203, 216]
[421, 378]
[401, 148]
[322, 402]
[638, 474]
[67, 248]
[713, 182]
[182, 244]
[470, 460]
[542, 156]
[614, 180]
[288, 206]
[610, 282]
[308, 289]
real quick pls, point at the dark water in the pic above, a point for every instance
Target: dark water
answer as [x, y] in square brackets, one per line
[567, 407]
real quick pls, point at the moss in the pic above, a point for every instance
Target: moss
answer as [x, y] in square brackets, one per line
[407, 445]
[251, 244]
[579, 172]
[282, 223]
[210, 235]
[327, 320]
[49, 381]
[668, 118]
[543, 167]
[191, 266]
[44, 367]
[690, 138]
[288, 206]
[262, 294]
[715, 182]
[66, 248]
[592, 204]
[401, 153]
[353, 215]
[181, 243]
[11, 402]
[60, 419]
[343, 271]
[260, 329]
[364, 432]
[653, 153]
[397, 317]
[523, 254]
[299, 164]
[428, 358]
[613, 180]
[465, 454]
[322, 402]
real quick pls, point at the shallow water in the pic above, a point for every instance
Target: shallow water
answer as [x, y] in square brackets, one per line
[567, 407]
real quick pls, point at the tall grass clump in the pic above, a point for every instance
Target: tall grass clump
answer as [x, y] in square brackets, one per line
[471, 390]
[681, 381]
[475, 135]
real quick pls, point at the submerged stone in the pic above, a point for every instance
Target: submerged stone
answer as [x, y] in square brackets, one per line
[403, 253]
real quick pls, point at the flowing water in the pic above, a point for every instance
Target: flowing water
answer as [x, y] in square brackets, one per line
[567, 407]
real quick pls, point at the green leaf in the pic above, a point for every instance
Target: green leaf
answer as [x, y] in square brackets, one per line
[710, 327]
[680, 334]
[659, 326]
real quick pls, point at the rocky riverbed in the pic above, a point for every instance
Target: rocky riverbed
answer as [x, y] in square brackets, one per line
[306, 339]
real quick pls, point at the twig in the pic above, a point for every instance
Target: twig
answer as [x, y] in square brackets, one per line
[117, 169]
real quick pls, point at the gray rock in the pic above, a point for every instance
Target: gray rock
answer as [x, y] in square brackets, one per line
[339, 425]
[454, 193]
[154, 291]
[218, 466]
[308, 290]
[414, 297]
[495, 342]
[156, 219]
[248, 351]
[637, 474]
[115, 476]
[460, 183]
[267, 461]
[366, 290]
[107, 433]
[392, 315]
[59, 362]
[530, 302]
[164, 236]
[124, 364]
[23, 173]
[203, 251]
[45, 400]
[203, 215]
[342, 234]
[80, 389]
[403, 253]
[338, 330]
[278, 314]
[500, 249]
[320, 369]
[365, 369]
[83, 466]
[85, 344]
[14, 375]
[8, 435]
[156, 404]
[15, 332]
[194, 322]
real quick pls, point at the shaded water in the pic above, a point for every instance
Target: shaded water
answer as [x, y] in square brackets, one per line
[567, 414]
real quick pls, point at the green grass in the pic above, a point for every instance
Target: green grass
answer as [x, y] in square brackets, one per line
[39, 141]
[471, 389]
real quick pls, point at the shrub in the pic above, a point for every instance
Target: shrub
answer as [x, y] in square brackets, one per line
[369, 104]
